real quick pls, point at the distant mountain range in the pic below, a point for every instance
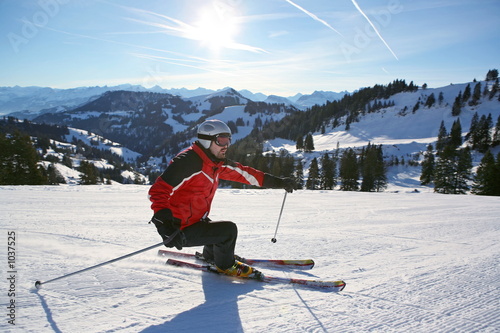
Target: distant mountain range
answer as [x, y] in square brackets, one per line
[29, 102]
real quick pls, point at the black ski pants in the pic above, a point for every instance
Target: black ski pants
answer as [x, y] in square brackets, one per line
[218, 238]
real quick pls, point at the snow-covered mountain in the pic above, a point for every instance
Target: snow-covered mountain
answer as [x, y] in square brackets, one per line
[157, 125]
[160, 123]
[278, 100]
[30, 102]
[317, 98]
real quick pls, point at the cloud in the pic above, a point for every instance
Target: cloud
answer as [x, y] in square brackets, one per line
[314, 17]
[374, 28]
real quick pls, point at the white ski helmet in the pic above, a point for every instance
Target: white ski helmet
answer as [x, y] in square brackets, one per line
[208, 131]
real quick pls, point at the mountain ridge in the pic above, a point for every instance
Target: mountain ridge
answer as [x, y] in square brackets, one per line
[29, 102]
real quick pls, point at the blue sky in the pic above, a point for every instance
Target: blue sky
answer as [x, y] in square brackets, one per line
[277, 47]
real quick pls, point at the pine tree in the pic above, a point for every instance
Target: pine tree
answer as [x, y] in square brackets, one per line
[453, 171]
[440, 98]
[456, 109]
[309, 143]
[464, 171]
[54, 177]
[380, 170]
[312, 182]
[300, 143]
[442, 139]
[496, 134]
[476, 96]
[89, 173]
[19, 161]
[299, 175]
[494, 89]
[430, 100]
[467, 94]
[348, 173]
[373, 169]
[487, 176]
[443, 173]
[456, 134]
[481, 139]
[416, 107]
[474, 124]
[492, 75]
[428, 165]
[328, 173]
[496, 180]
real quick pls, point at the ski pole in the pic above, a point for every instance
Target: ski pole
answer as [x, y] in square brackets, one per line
[38, 284]
[279, 218]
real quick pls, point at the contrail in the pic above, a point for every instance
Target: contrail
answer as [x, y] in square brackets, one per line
[373, 26]
[314, 17]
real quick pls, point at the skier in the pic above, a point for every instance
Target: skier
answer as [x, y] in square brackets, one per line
[181, 197]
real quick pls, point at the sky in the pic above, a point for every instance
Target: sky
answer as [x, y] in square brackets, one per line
[280, 47]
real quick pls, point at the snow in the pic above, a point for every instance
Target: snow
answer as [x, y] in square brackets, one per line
[413, 262]
[395, 126]
[99, 142]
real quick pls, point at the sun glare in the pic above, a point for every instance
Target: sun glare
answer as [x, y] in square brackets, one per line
[215, 29]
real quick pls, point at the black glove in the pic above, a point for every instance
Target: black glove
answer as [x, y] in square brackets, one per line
[167, 224]
[271, 181]
[289, 184]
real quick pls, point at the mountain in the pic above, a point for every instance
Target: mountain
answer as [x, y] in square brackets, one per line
[256, 97]
[278, 100]
[318, 98]
[403, 118]
[159, 123]
[30, 102]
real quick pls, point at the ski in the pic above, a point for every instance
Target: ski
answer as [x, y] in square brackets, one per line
[334, 286]
[301, 264]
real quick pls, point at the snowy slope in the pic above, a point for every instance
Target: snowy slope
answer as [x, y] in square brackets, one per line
[419, 262]
[102, 143]
[396, 126]
[402, 133]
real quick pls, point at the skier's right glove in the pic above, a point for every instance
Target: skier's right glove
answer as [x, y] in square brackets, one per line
[167, 224]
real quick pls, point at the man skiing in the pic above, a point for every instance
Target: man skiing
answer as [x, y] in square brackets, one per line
[181, 197]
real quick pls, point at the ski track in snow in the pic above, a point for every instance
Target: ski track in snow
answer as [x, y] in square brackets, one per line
[413, 262]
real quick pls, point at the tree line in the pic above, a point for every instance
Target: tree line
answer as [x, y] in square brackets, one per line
[28, 154]
[449, 167]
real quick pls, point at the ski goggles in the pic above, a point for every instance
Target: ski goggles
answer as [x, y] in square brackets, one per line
[221, 140]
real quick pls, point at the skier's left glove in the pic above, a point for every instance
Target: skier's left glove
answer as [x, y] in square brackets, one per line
[271, 181]
[289, 184]
[167, 225]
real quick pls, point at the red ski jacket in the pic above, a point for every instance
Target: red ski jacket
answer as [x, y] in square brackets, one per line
[188, 185]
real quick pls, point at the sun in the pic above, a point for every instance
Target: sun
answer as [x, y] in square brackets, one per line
[215, 29]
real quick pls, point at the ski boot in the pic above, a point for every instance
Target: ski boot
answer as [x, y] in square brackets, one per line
[239, 269]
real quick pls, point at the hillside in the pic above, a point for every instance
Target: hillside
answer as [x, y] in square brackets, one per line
[155, 126]
[151, 123]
